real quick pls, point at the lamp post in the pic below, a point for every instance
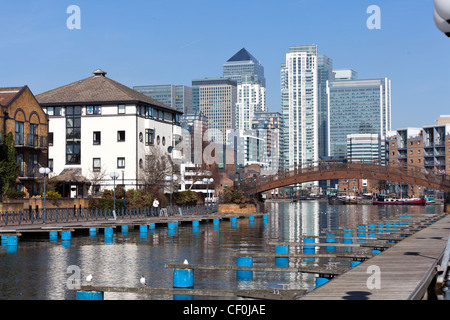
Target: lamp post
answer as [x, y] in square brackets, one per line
[45, 172]
[207, 181]
[171, 179]
[114, 176]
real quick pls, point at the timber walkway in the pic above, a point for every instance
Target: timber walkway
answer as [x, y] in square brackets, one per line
[406, 271]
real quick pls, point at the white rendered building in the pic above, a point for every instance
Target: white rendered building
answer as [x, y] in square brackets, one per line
[251, 98]
[98, 126]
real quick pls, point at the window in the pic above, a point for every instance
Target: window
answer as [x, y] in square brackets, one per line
[96, 164]
[97, 140]
[32, 140]
[121, 136]
[121, 109]
[50, 164]
[163, 141]
[149, 137]
[50, 139]
[94, 110]
[54, 111]
[120, 163]
[73, 135]
[19, 133]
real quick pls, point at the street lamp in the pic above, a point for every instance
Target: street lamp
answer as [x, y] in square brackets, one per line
[114, 176]
[207, 181]
[171, 179]
[44, 171]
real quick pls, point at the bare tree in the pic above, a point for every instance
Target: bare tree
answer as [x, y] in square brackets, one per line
[95, 178]
[156, 168]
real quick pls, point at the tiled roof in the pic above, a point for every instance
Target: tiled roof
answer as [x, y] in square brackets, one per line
[8, 94]
[95, 90]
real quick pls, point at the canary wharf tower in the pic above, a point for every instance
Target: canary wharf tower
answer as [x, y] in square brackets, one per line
[243, 64]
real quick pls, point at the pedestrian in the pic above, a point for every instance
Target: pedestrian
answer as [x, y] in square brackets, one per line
[124, 202]
[156, 206]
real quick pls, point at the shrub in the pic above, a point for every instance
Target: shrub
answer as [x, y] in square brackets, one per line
[13, 194]
[187, 197]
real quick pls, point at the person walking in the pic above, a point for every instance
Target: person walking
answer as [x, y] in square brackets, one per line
[156, 206]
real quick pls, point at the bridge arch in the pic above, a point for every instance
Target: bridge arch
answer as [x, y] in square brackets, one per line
[349, 169]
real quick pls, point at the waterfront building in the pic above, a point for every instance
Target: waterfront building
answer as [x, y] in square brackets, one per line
[365, 148]
[268, 125]
[299, 94]
[244, 66]
[357, 106]
[22, 116]
[427, 147]
[176, 96]
[216, 99]
[98, 126]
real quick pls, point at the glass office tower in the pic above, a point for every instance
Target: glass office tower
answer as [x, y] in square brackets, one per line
[244, 64]
[357, 106]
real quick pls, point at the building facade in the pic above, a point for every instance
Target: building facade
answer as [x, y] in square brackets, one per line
[251, 98]
[427, 148]
[357, 106]
[216, 99]
[300, 101]
[176, 96]
[98, 126]
[23, 117]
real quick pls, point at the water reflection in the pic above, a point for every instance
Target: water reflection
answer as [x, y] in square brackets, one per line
[37, 267]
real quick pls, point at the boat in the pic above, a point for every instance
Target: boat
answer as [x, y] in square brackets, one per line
[336, 200]
[415, 201]
[383, 199]
[430, 199]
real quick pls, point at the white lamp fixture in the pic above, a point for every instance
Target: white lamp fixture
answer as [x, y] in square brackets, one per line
[114, 176]
[441, 16]
[45, 172]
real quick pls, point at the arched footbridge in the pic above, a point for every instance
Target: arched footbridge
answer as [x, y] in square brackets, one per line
[348, 169]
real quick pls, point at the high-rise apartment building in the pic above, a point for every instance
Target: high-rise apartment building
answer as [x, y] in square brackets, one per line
[251, 98]
[325, 73]
[244, 64]
[357, 106]
[176, 96]
[299, 104]
[216, 99]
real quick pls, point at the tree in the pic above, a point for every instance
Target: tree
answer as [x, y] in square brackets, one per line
[156, 168]
[9, 170]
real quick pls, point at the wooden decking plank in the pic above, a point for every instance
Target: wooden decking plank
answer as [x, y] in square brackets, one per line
[404, 269]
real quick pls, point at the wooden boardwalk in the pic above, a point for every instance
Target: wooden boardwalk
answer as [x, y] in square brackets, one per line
[405, 271]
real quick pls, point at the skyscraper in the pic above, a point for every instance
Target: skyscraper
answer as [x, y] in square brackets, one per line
[325, 73]
[216, 99]
[357, 106]
[251, 98]
[299, 104]
[244, 64]
[175, 96]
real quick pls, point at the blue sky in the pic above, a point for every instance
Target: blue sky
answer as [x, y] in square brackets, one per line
[173, 42]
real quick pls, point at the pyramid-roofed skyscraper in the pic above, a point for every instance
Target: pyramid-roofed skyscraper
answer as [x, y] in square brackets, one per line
[243, 65]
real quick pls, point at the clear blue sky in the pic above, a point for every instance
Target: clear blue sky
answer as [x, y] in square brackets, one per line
[173, 42]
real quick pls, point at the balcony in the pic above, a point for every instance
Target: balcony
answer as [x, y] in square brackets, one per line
[28, 172]
[30, 141]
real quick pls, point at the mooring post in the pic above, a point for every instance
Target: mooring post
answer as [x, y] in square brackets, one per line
[282, 262]
[90, 295]
[244, 262]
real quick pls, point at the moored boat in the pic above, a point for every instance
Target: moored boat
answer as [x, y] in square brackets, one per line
[415, 201]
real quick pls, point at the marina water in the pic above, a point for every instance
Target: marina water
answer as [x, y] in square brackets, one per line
[37, 269]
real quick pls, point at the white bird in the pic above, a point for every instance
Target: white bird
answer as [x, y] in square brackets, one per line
[185, 261]
[142, 281]
[89, 278]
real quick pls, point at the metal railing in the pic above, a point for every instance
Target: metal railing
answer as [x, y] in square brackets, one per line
[66, 215]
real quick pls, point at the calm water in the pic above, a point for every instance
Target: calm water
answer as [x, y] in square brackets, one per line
[37, 268]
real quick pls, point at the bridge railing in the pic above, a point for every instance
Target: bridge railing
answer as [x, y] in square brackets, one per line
[431, 175]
